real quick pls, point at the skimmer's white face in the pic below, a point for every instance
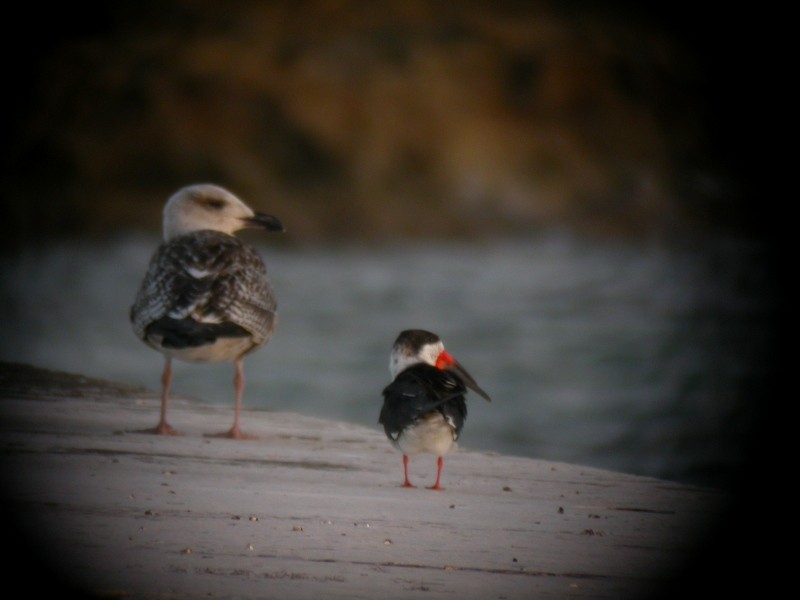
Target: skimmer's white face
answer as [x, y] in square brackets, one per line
[403, 357]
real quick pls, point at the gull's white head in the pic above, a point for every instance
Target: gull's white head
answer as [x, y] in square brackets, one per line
[208, 206]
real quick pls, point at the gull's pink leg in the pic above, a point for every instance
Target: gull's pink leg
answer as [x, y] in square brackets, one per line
[163, 428]
[238, 382]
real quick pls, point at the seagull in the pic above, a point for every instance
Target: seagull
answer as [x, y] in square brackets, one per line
[423, 407]
[206, 296]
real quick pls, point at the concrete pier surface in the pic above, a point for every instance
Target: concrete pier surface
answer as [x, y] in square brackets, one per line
[313, 509]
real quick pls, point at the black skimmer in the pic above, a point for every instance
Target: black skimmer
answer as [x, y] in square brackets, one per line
[206, 296]
[424, 408]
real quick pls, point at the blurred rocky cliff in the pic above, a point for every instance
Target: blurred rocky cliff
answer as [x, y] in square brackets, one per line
[367, 120]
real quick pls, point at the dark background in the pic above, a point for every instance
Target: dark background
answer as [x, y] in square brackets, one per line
[368, 120]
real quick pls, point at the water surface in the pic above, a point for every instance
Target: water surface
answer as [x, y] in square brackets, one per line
[638, 358]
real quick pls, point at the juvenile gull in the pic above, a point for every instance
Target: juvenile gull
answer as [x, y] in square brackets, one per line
[206, 296]
[424, 408]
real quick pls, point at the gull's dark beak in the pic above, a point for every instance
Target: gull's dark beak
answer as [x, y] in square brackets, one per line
[264, 221]
[446, 361]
